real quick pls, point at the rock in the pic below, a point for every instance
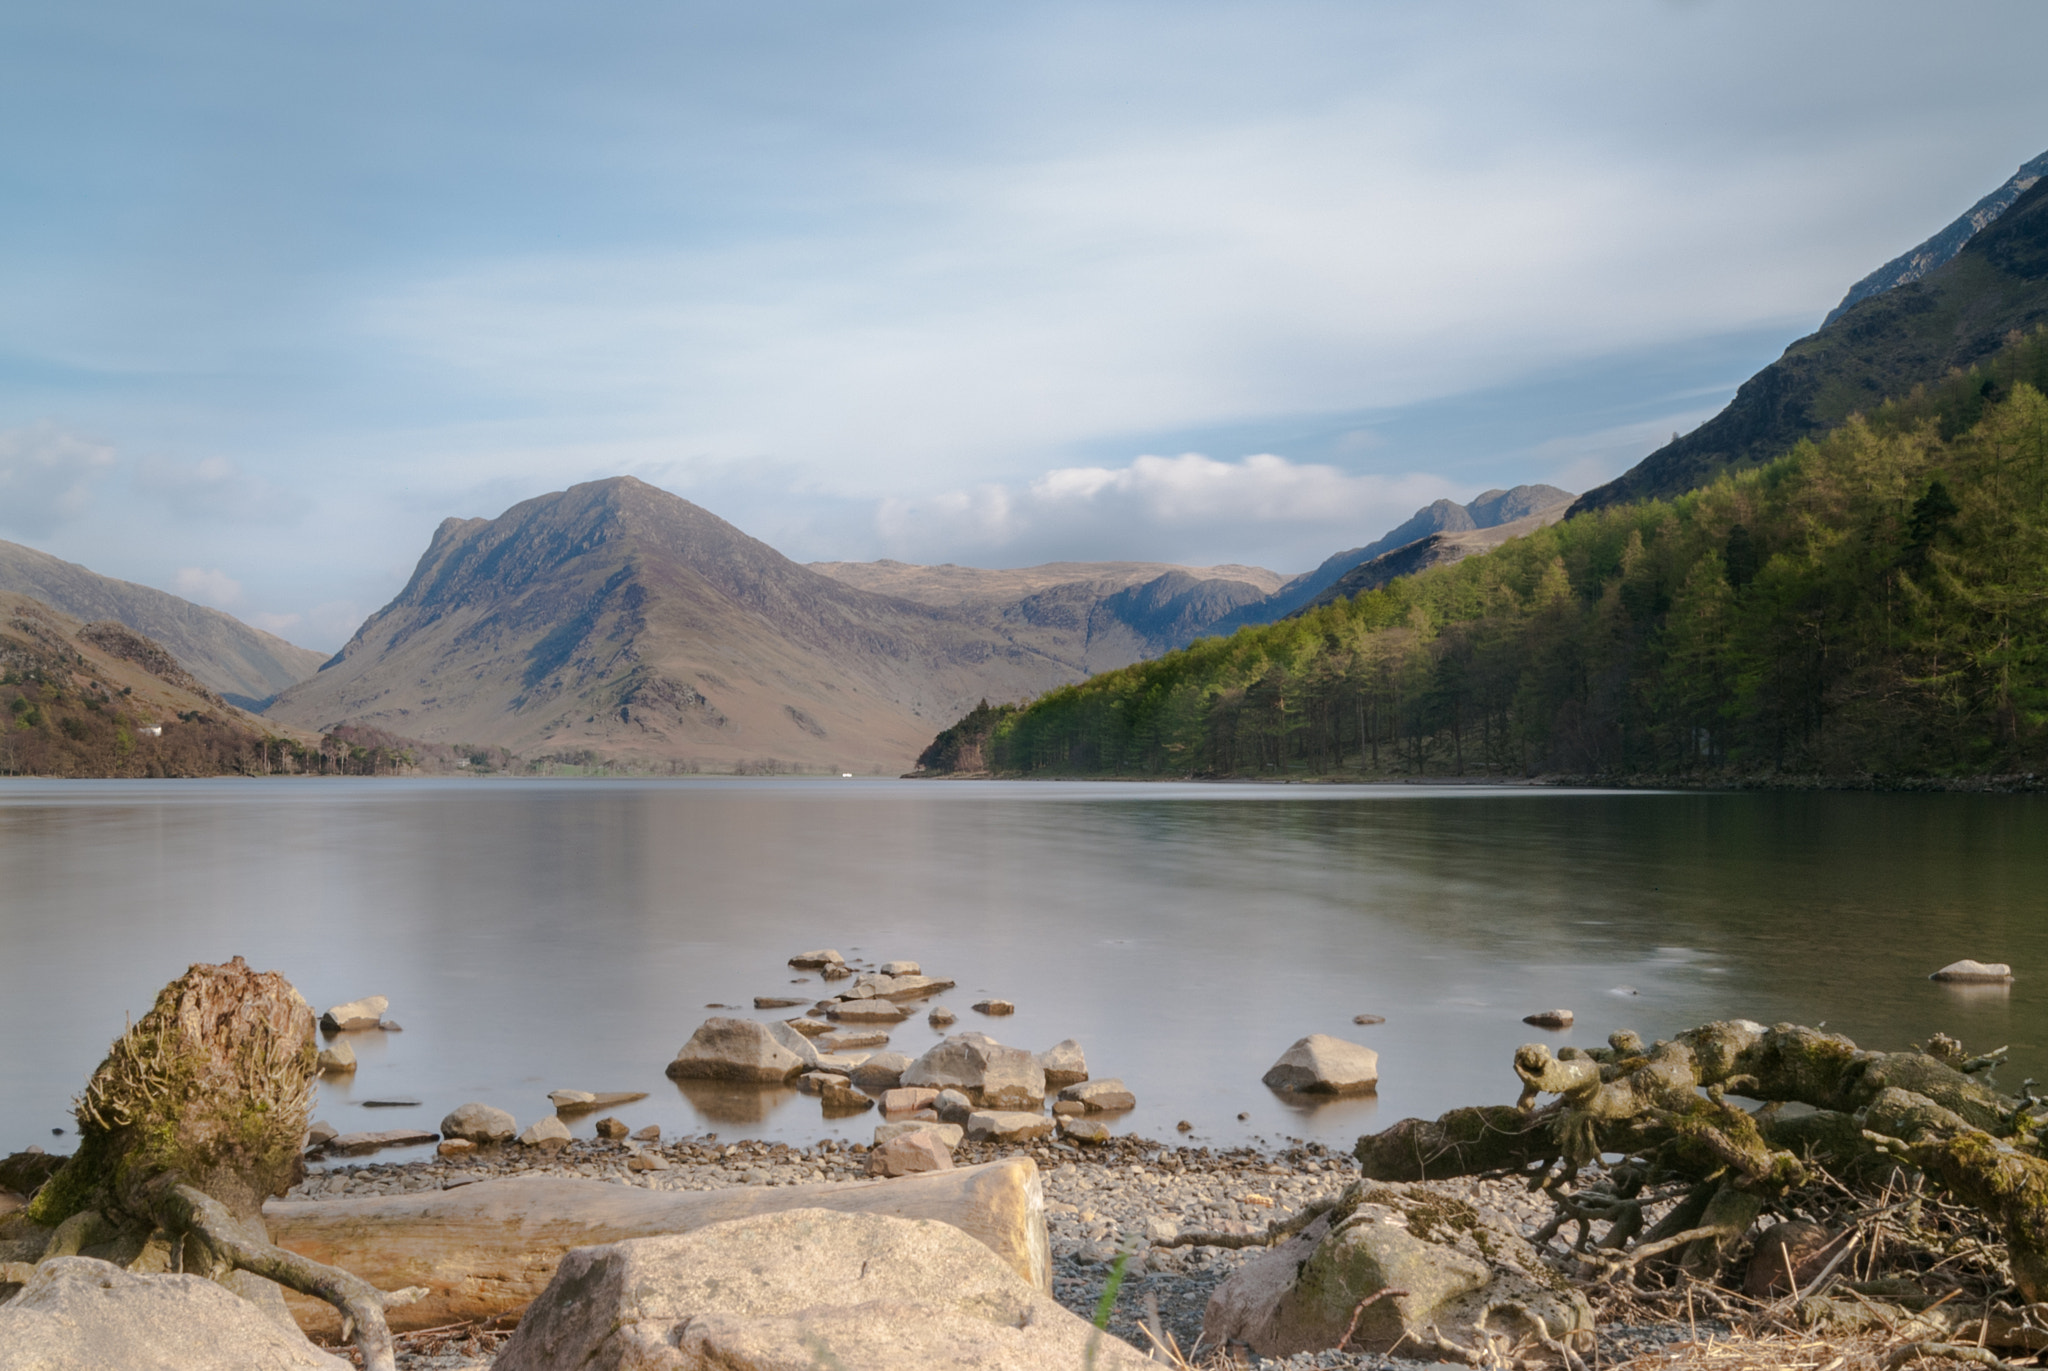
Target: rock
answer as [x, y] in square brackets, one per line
[82, 1313]
[881, 1072]
[583, 1101]
[1303, 1294]
[1321, 1064]
[390, 1104]
[352, 1144]
[1368, 1018]
[902, 969]
[854, 1037]
[912, 987]
[338, 1060]
[612, 1127]
[1969, 971]
[810, 1028]
[1159, 1228]
[356, 1014]
[390, 1026]
[1549, 1018]
[549, 1134]
[833, 971]
[1184, 1126]
[814, 1082]
[1091, 1131]
[994, 1007]
[798, 1044]
[907, 1154]
[821, 1289]
[1100, 1097]
[455, 1147]
[651, 1133]
[986, 1072]
[1063, 1064]
[480, 1123]
[839, 1096]
[868, 1011]
[904, 1099]
[841, 1063]
[778, 1002]
[320, 1131]
[736, 1050]
[941, 1016]
[647, 1161]
[1007, 1125]
[1068, 1108]
[953, 1107]
[950, 1134]
[1784, 1252]
[818, 960]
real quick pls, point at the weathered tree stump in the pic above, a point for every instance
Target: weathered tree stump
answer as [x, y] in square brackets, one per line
[196, 1116]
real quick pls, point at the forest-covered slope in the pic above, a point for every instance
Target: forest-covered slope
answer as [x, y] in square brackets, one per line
[1873, 604]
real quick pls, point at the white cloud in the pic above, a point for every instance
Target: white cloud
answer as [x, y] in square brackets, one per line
[280, 624]
[47, 478]
[1185, 508]
[209, 586]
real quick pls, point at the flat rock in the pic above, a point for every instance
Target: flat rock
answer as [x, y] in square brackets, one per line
[994, 1007]
[841, 1063]
[817, 960]
[455, 1147]
[779, 1001]
[814, 1082]
[797, 1044]
[1323, 1065]
[1969, 971]
[82, 1314]
[583, 1101]
[480, 1123]
[367, 1012]
[905, 1099]
[951, 1134]
[986, 1072]
[1007, 1125]
[1091, 1131]
[549, 1134]
[868, 1011]
[810, 1028]
[882, 1071]
[913, 987]
[1064, 1064]
[1367, 1020]
[846, 1038]
[1549, 1018]
[907, 1154]
[338, 1060]
[353, 1144]
[856, 1291]
[1100, 1097]
[902, 969]
[735, 1050]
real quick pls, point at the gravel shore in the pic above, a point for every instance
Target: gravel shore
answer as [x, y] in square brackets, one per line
[1122, 1195]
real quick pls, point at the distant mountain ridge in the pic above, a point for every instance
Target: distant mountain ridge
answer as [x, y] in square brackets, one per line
[243, 664]
[1914, 332]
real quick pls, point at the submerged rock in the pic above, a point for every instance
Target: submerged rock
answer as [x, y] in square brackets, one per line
[1970, 971]
[1549, 1018]
[1321, 1064]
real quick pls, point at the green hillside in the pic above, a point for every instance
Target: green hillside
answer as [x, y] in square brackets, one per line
[1874, 604]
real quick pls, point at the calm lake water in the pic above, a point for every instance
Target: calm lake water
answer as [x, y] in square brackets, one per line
[539, 935]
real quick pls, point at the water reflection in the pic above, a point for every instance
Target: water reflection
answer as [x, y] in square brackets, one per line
[734, 1102]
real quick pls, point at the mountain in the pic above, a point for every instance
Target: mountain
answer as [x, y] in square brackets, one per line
[1491, 510]
[616, 621]
[1438, 549]
[227, 656]
[1912, 333]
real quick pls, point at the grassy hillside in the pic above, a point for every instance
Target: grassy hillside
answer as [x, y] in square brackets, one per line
[1874, 604]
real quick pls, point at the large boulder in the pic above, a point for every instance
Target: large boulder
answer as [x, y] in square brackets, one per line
[853, 1291]
[908, 1154]
[480, 1123]
[83, 1314]
[1468, 1275]
[1323, 1065]
[986, 1072]
[736, 1050]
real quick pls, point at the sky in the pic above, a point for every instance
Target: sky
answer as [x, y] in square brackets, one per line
[284, 286]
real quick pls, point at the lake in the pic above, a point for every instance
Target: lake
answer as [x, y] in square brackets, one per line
[536, 935]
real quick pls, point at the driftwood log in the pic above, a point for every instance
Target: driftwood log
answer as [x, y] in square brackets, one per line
[485, 1250]
[1665, 1108]
[196, 1116]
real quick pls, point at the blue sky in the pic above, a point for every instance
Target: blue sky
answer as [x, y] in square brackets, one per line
[281, 287]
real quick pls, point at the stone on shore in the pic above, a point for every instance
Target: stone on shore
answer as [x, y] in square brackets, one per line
[320, 1132]
[354, 1144]
[1007, 1125]
[994, 1007]
[818, 960]
[907, 1154]
[902, 969]
[479, 1123]
[1549, 1018]
[367, 1012]
[735, 1050]
[647, 1161]
[848, 1038]
[1091, 1131]
[883, 1071]
[986, 1072]
[908, 1098]
[952, 1107]
[821, 1288]
[338, 1060]
[651, 1133]
[612, 1128]
[549, 1134]
[1323, 1065]
[1969, 971]
[1063, 1064]
[950, 1134]
[1303, 1294]
[80, 1312]
[455, 1147]
[1100, 1097]
[868, 1011]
